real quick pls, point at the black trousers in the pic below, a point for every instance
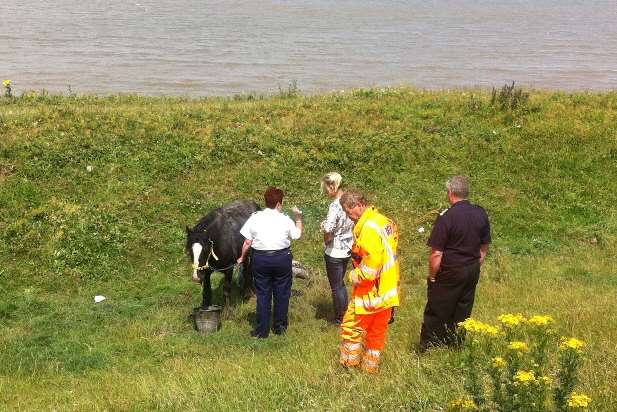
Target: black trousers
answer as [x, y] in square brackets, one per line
[449, 301]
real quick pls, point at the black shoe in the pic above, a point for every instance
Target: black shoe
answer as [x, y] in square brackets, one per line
[279, 331]
[421, 347]
[254, 334]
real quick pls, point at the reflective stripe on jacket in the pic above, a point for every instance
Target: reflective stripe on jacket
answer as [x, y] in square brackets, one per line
[375, 263]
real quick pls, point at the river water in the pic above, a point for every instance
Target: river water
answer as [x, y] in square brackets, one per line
[204, 47]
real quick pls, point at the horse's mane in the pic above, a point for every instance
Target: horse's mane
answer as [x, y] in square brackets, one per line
[231, 210]
[207, 220]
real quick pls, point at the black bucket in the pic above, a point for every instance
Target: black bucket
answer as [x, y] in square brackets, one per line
[207, 320]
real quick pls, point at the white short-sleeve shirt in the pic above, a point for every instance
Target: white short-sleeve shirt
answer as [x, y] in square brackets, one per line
[270, 229]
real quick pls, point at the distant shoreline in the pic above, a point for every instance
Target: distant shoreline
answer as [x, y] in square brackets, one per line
[289, 90]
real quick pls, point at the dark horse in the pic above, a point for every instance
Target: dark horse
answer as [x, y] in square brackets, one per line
[215, 244]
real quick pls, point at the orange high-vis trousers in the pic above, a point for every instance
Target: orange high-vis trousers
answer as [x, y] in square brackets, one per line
[368, 329]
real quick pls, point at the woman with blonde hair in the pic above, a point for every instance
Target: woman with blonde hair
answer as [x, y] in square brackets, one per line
[338, 239]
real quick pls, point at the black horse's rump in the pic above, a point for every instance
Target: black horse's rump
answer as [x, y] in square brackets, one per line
[217, 240]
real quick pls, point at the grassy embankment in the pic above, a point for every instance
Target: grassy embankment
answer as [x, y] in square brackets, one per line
[544, 171]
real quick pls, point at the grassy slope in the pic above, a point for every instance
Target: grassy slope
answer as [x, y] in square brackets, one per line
[544, 173]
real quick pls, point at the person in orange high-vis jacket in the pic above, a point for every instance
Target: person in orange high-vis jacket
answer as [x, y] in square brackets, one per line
[375, 281]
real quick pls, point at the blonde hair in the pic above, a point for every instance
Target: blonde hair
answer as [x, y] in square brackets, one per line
[331, 181]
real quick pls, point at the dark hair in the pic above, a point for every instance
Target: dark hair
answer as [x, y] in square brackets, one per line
[273, 196]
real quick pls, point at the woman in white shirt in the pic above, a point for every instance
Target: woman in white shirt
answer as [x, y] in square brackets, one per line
[338, 239]
[268, 233]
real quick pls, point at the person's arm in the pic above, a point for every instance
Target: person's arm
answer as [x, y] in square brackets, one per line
[485, 240]
[371, 253]
[437, 241]
[245, 248]
[327, 237]
[329, 224]
[434, 263]
[298, 221]
[483, 252]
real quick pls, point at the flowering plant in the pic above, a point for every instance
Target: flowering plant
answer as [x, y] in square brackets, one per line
[461, 405]
[525, 363]
[7, 88]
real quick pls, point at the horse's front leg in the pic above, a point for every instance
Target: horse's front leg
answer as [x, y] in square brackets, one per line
[207, 289]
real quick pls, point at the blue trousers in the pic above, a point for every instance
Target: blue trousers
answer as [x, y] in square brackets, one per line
[273, 277]
[336, 268]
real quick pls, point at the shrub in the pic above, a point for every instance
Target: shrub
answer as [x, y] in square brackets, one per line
[509, 98]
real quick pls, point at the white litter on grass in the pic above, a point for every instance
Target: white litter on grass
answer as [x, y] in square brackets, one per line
[89, 168]
[421, 229]
[99, 298]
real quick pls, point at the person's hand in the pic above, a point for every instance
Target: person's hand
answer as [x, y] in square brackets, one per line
[240, 260]
[296, 211]
[431, 279]
[353, 278]
[195, 278]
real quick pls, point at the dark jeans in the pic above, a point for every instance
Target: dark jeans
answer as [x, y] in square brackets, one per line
[273, 277]
[336, 268]
[449, 301]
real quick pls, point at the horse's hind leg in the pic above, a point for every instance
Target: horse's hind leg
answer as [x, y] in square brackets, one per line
[227, 292]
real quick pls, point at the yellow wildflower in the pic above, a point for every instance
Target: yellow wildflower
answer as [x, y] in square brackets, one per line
[518, 346]
[572, 343]
[6, 83]
[462, 405]
[498, 362]
[474, 326]
[524, 377]
[578, 400]
[490, 330]
[539, 320]
[511, 320]
[469, 324]
[545, 380]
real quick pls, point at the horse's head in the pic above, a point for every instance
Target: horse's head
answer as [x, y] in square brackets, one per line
[198, 248]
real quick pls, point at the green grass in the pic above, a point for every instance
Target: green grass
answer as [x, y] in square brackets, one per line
[544, 171]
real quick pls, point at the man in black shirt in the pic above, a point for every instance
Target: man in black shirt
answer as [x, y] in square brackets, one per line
[459, 243]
